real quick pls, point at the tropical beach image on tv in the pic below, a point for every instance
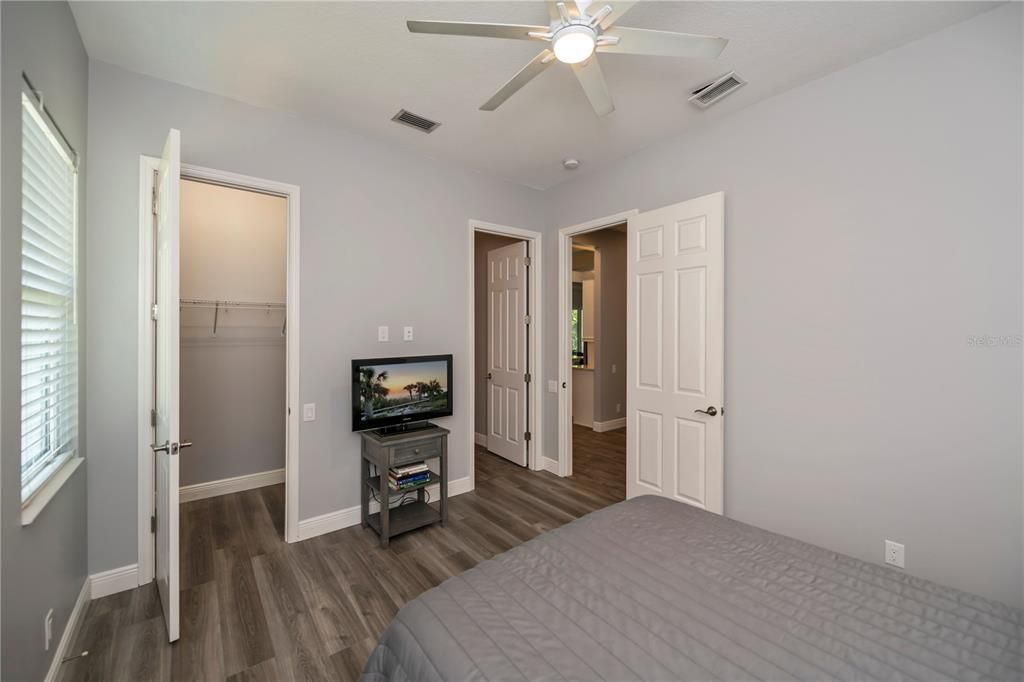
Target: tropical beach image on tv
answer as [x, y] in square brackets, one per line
[396, 392]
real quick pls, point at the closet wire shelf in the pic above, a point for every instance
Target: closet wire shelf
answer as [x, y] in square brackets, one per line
[216, 304]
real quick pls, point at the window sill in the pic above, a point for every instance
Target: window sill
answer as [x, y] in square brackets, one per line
[38, 502]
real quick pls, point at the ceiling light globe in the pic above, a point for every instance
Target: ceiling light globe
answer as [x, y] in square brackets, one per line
[574, 44]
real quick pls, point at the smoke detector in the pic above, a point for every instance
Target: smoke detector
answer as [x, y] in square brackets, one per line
[570, 164]
[711, 92]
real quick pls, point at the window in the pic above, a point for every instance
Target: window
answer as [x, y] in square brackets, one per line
[49, 339]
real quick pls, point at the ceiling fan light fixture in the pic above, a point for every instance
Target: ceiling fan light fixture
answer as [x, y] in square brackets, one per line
[574, 44]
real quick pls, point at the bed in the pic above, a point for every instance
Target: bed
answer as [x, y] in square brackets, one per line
[657, 590]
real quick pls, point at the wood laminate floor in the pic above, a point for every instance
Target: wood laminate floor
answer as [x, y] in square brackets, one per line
[256, 608]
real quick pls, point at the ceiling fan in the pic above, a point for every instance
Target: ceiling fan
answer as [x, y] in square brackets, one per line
[576, 34]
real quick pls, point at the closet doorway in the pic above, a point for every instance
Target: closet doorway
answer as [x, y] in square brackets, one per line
[238, 344]
[233, 322]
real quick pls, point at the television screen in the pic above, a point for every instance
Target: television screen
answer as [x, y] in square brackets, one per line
[390, 391]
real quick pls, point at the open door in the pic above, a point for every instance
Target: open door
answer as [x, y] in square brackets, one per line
[675, 337]
[166, 446]
[507, 352]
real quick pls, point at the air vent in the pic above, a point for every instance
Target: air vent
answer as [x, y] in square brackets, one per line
[413, 121]
[709, 93]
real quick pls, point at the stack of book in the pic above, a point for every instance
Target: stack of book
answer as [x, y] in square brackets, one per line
[408, 476]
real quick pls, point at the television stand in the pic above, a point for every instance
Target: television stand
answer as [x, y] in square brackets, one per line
[394, 450]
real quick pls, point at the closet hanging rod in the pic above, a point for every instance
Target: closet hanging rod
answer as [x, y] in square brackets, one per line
[252, 305]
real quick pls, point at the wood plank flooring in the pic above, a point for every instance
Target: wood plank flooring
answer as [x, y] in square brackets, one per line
[256, 608]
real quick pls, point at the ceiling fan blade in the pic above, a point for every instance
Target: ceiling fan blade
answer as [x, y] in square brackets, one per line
[663, 43]
[592, 79]
[462, 28]
[618, 9]
[525, 75]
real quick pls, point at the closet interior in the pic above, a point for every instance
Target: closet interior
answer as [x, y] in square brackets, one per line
[233, 339]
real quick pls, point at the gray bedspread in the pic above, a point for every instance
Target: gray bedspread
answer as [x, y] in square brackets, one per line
[657, 590]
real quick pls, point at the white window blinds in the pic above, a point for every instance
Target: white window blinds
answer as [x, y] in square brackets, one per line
[49, 339]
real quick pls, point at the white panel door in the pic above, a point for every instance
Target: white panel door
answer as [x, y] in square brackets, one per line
[506, 352]
[166, 445]
[675, 373]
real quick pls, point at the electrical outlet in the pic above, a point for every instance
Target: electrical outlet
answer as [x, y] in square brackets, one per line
[407, 333]
[552, 386]
[382, 333]
[48, 629]
[615, 368]
[618, 408]
[894, 552]
[309, 412]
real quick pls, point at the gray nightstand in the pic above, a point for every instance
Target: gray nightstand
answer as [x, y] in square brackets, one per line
[386, 451]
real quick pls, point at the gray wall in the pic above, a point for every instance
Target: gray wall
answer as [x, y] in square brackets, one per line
[232, 406]
[370, 212]
[44, 564]
[609, 388]
[873, 225]
[484, 242]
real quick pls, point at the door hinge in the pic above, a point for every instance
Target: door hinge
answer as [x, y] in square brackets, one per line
[527, 319]
[152, 417]
[527, 436]
[527, 261]
[154, 201]
[152, 523]
[153, 311]
[526, 377]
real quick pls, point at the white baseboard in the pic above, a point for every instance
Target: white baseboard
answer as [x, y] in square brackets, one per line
[113, 581]
[610, 425]
[548, 464]
[70, 630]
[343, 518]
[481, 439]
[226, 486]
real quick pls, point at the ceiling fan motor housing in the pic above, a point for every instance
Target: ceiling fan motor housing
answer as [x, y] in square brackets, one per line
[574, 43]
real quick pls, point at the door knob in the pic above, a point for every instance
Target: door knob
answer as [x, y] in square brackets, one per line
[488, 376]
[166, 447]
[185, 444]
[711, 411]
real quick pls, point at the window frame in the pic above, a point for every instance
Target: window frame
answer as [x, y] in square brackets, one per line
[42, 481]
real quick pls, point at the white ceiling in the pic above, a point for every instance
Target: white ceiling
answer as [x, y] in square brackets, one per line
[355, 63]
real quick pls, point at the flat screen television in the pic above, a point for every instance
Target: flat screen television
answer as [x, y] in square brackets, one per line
[391, 392]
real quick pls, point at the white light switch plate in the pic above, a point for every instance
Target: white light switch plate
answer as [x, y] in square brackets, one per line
[407, 333]
[382, 333]
[309, 412]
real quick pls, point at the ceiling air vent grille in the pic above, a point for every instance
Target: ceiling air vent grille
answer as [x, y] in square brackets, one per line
[709, 93]
[413, 121]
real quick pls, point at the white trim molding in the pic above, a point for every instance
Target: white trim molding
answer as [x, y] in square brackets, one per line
[610, 425]
[344, 518]
[226, 486]
[106, 583]
[49, 490]
[565, 236]
[70, 631]
[147, 169]
[548, 464]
